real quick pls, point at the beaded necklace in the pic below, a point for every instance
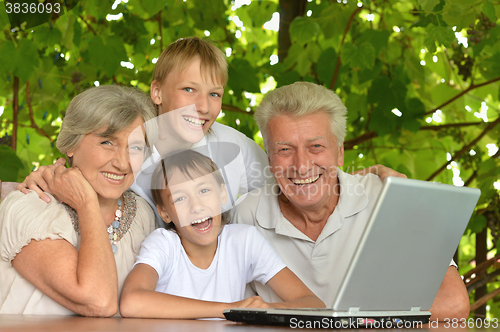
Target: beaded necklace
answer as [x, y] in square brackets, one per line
[124, 216]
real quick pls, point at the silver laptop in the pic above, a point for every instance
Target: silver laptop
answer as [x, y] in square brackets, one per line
[399, 264]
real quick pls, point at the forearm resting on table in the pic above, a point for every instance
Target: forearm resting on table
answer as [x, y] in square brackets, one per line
[153, 304]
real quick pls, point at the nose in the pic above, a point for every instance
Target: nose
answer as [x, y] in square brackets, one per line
[196, 205]
[121, 159]
[302, 162]
[202, 104]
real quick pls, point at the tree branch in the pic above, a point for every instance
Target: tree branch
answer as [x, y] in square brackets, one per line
[15, 109]
[452, 125]
[465, 148]
[481, 267]
[470, 88]
[32, 118]
[349, 144]
[88, 25]
[482, 301]
[474, 174]
[232, 108]
[346, 30]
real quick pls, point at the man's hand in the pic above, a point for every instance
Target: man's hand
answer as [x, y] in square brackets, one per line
[36, 182]
[380, 170]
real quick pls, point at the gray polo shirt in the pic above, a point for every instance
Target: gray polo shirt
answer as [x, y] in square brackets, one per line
[320, 264]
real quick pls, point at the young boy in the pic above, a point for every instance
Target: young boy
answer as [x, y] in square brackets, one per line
[199, 266]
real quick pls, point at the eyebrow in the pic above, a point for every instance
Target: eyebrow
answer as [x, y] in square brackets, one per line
[183, 185]
[309, 140]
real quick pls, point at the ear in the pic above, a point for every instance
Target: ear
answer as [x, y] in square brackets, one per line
[223, 194]
[70, 154]
[156, 92]
[163, 214]
[340, 161]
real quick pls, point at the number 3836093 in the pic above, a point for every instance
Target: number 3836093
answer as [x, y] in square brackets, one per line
[32, 8]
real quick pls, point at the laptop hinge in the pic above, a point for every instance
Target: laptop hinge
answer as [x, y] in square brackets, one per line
[415, 309]
[353, 310]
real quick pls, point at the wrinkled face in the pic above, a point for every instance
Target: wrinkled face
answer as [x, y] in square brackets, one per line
[181, 89]
[108, 162]
[304, 155]
[194, 206]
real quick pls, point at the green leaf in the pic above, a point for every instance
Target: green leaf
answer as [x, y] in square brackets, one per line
[454, 10]
[152, 7]
[362, 56]
[326, 65]
[8, 63]
[4, 19]
[437, 34]
[77, 33]
[243, 77]
[27, 57]
[260, 12]
[303, 30]
[47, 36]
[477, 224]
[428, 5]
[378, 39]
[10, 164]
[489, 10]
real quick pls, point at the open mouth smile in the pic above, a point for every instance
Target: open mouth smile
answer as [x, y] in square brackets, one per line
[115, 177]
[303, 182]
[202, 224]
[194, 121]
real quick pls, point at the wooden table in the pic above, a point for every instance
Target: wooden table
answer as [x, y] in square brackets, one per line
[60, 323]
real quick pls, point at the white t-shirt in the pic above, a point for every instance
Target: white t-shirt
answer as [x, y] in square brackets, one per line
[242, 256]
[242, 162]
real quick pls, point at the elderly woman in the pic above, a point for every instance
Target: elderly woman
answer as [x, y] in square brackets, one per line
[72, 257]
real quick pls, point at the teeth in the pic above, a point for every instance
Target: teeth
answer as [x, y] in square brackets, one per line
[200, 221]
[194, 122]
[113, 176]
[305, 181]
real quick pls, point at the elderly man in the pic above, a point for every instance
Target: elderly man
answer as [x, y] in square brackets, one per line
[315, 215]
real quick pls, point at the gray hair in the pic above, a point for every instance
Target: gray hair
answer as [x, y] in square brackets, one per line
[299, 99]
[112, 106]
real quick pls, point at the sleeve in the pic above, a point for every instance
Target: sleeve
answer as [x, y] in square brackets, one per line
[26, 217]
[156, 252]
[264, 261]
[244, 210]
[256, 165]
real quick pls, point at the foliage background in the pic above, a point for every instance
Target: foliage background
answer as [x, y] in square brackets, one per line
[422, 89]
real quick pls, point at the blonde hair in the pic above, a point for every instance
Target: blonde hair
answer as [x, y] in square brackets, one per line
[112, 106]
[299, 99]
[190, 163]
[184, 51]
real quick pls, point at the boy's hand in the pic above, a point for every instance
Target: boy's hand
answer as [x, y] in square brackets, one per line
[36, 182]
[253, 302]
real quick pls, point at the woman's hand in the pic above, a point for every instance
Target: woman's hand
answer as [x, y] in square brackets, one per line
[69, 185]
[36, 182]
